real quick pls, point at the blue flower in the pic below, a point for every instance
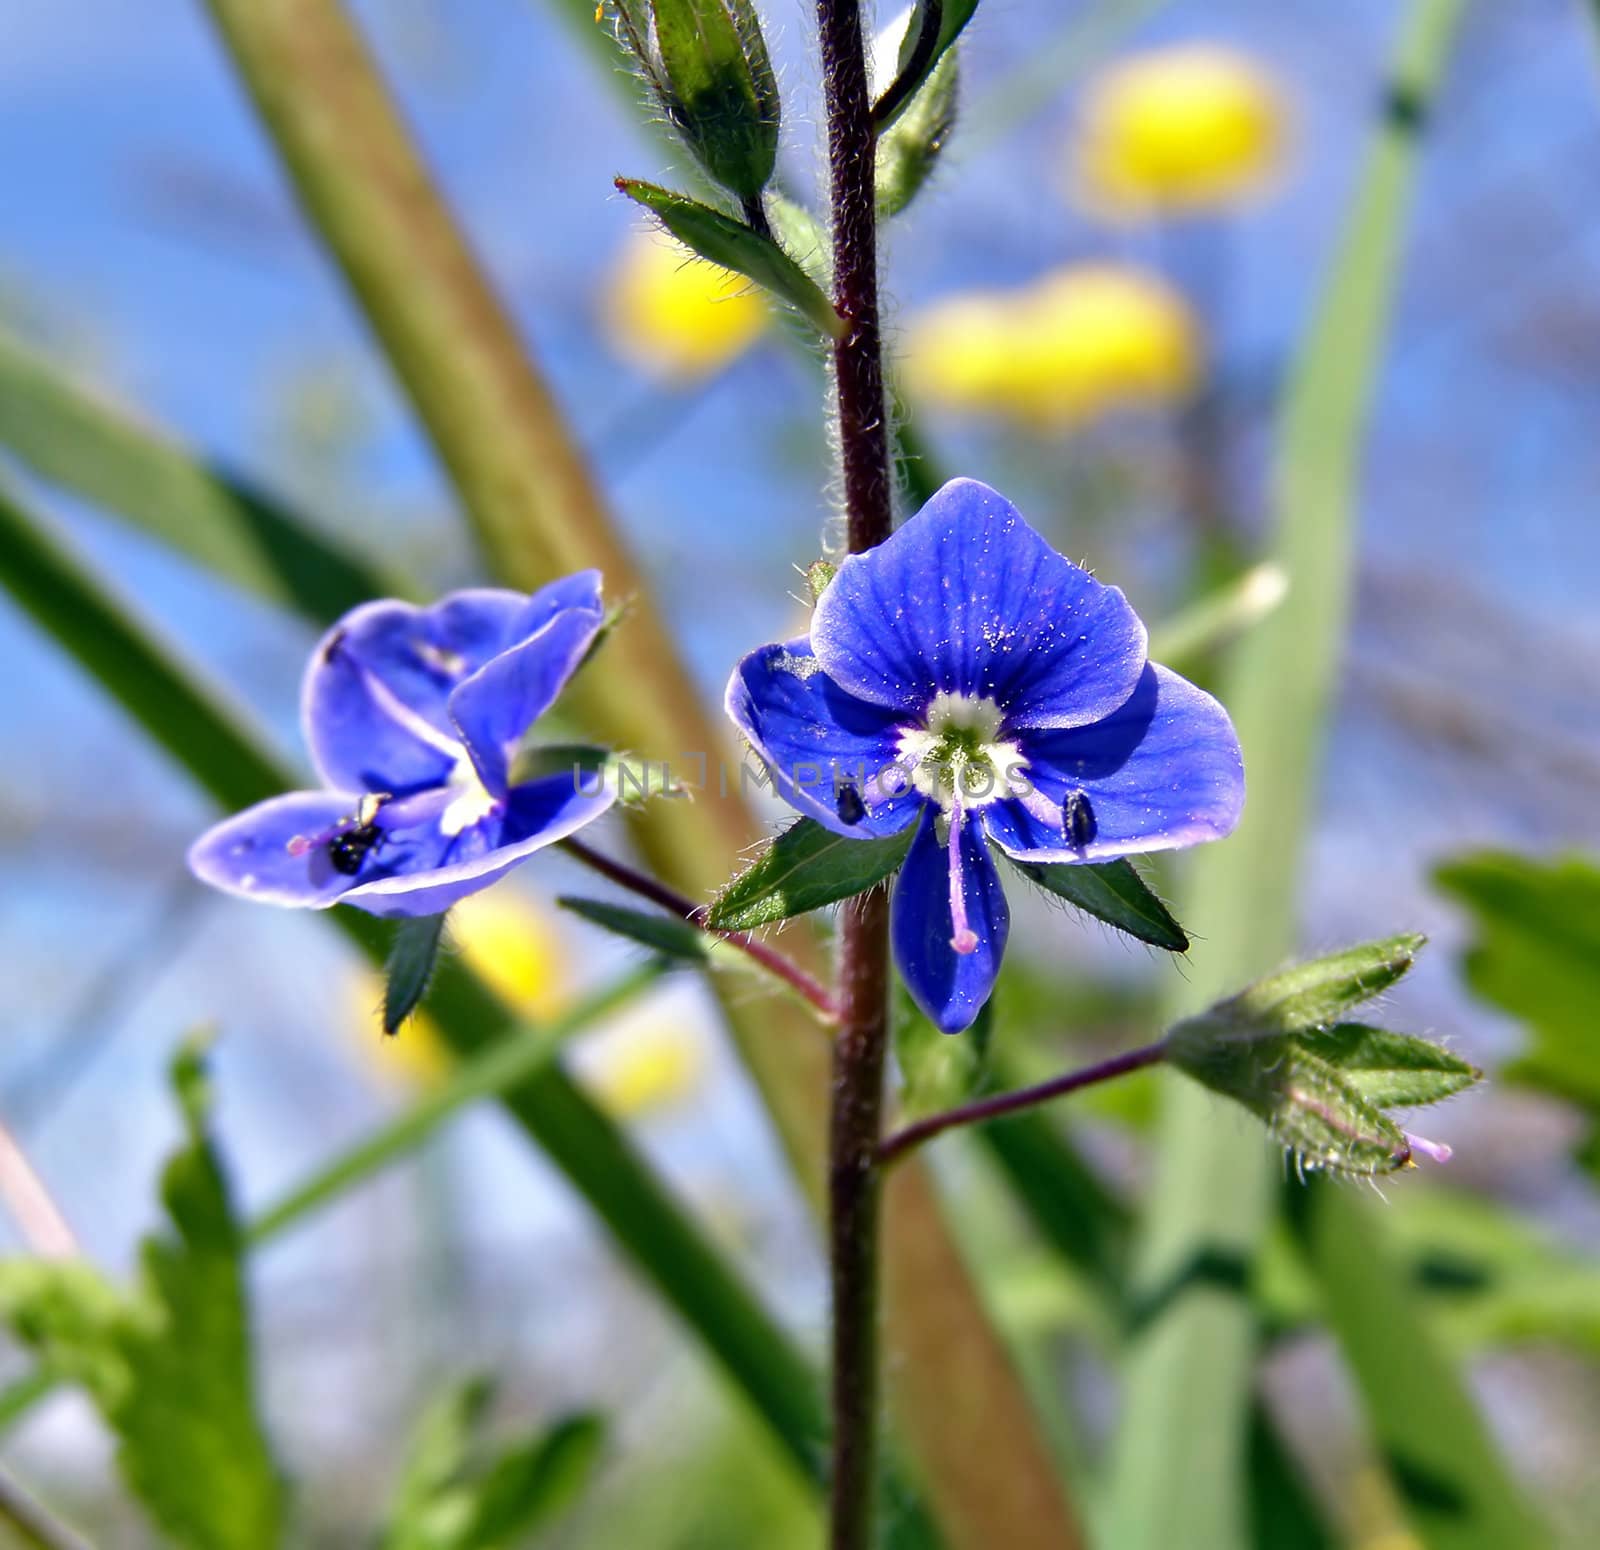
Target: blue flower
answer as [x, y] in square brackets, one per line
[413, 717]
[965, 678]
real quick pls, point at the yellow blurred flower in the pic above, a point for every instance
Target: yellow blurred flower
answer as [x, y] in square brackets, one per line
[675, 314]
[643, 1060]
[1188, 128]
[516, 951]
[1082, 342]
[644, 1063]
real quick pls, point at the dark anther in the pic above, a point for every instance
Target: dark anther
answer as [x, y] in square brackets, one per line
[850, 807]
[1077, 819]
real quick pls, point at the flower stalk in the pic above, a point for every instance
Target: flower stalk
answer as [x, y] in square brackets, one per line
[854, 1179]
[777, 964]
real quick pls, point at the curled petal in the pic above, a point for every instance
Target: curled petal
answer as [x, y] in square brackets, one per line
[249, 854]
[495, 706]
[816, 739]
[536, 815]
[1163, 771]
[967, 598]
[950, 987]
[375, 701]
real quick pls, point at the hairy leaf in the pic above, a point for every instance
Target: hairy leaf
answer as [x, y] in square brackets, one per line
[806, 868]
[1113, 892]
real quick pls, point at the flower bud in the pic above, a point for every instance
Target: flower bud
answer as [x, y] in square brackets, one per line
[707, 65]
[1322, 1086]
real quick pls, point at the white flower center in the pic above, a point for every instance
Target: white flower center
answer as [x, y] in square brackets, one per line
[470, 801]
[960, 746]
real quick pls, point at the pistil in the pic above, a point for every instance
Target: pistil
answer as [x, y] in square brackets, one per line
[965, 939]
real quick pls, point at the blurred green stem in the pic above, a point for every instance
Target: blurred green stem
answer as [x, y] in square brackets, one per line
[508, 1062]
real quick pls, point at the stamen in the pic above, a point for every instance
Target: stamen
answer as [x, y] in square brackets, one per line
[1434, 1151]
[965, 939]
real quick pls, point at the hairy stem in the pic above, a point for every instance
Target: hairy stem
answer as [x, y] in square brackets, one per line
[854, 1181]
[768, 957]
[998, 1104]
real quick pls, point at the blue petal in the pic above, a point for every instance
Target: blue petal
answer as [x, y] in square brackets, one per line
[249, 855]
[950, 987]
[813, 737]
[1164, 771]
[375, 701]
[498, 703]
[967, 598]
[537, 814]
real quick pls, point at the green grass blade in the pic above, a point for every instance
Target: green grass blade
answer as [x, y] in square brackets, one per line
[224, 756]
[1180, 1465]
[74, 440]
[1445, 1467]
[507, 1063]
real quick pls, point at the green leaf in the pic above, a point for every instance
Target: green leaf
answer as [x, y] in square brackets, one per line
[529, 1485]
[725, 241]
[409, 971]
[450, 1498]
[938, 1070]
[910, 149]
[1322, 990]
[1390, 1069]
[72, 439]
[806, 868]
[1444, 1463]
[661, 933]
[1114, 892]
[169, 1364]
[1537, 956]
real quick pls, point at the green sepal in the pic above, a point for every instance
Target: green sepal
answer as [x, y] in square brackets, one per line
[1303, 1100]
[707, 64]
[660, 933]
[722, 240]
[806, 868]
[1311, 995]
[1111, 891]
[1390, 1068]
[409, 969]
[911, 146]
[918, 60]
[167, 1362]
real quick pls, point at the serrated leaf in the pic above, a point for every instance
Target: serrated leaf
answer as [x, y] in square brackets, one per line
[66, 1313]
[806, 868]
[730, 243]
[1114, 892]
[1537, 956]
[168, 1364]
[660, 933]
[1322, 990]
[191, 1445]
[409, 969]
[938, 1072]
[1390, 1068]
